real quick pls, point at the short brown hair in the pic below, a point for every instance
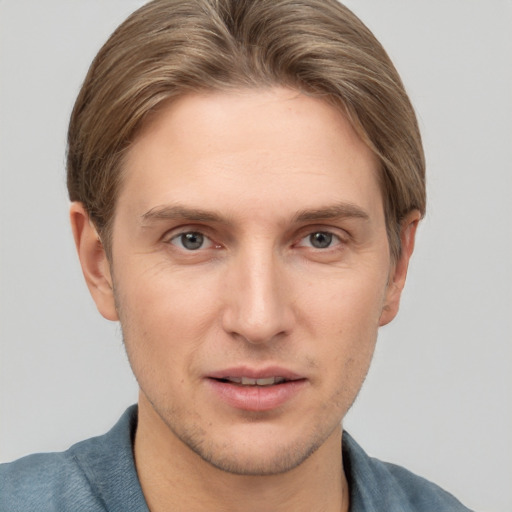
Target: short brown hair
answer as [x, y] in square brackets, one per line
[170, 47]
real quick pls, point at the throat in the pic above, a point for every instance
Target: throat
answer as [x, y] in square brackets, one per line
[173, 477]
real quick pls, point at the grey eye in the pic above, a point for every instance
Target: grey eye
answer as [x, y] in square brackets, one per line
[191, 241]
[320, 239]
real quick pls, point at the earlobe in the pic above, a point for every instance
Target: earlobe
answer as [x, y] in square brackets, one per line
[94, 262]
[399, 272]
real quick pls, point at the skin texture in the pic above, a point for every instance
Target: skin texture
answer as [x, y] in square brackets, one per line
[256, 174]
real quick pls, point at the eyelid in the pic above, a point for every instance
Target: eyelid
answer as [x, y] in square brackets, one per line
[175, 233]
[341, 234]
[182, 229]
[336, 240]
[206, 242]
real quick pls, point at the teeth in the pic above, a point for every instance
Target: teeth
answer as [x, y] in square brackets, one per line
[247, 381]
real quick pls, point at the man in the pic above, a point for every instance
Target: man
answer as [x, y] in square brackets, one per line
[246, 181]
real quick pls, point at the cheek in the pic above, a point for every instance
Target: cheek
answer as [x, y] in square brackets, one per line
[163, 316]
[346, 304]
[344, 320]
[160, 297]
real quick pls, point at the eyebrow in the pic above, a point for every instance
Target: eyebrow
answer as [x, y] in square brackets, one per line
[173, 212]
[337, 211]
[169, 212]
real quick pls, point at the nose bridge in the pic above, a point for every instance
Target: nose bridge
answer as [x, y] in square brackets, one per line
[257, 307]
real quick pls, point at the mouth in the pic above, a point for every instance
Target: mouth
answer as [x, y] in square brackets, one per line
[249, 381]
[253, 390]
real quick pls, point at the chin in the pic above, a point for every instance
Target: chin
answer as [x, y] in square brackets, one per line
[254, 451]
[239, 462]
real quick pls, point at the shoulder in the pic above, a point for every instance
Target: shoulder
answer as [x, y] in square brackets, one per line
[94, 475]
[45, 482]
[377, 485]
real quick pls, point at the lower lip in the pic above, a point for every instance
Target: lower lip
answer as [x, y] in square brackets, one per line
[256, 398]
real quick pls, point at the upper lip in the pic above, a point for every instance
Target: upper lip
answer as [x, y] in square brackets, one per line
[255, 373]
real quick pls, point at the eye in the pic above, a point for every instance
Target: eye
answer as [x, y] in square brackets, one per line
[191, 241]
[319, 240]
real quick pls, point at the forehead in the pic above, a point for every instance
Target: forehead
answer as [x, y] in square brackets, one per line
[265, 148]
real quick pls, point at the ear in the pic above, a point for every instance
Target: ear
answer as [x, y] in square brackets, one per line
[94, 262]
[398, 273]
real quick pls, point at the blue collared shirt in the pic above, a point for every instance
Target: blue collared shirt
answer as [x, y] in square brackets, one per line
[99, 475]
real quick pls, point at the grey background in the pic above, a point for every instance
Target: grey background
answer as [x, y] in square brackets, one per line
[439, 396]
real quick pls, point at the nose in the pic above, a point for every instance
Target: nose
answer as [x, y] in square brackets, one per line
[258, 305]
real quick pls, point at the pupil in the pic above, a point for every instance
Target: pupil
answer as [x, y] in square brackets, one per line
[320, 240]
[192, 241]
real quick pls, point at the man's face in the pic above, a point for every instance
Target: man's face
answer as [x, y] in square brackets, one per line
[249, 242]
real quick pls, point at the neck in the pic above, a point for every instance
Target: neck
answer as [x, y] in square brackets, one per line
[173, 477]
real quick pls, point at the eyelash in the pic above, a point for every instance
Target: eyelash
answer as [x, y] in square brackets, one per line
[204, 238]
[333, 240]
[331, 237]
